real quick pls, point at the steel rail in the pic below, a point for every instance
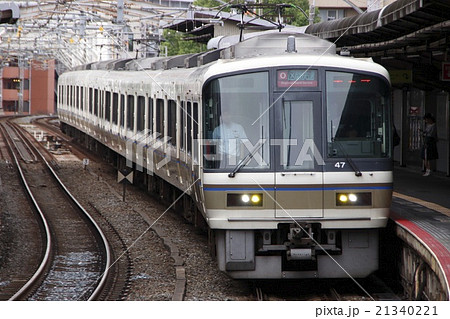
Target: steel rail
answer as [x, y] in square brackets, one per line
[45, 260]
[19, 150]
[105, 243]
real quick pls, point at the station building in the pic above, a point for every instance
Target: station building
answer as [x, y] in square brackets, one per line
[27, 87]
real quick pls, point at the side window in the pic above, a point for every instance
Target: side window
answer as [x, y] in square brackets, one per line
[108, 106]
[101, 105]
[115, 107]
[195, 132]
[130, 112]
[150, 114]
[71, 97]
[171, 122]
[182, 124]
[140, 113]
[77, 97]
[122, 110]
[195, 120]
[82, 98]
[91, 100]
[189, 127]
[160, 117]
[331, 15]
[95, 102]
[67, 89]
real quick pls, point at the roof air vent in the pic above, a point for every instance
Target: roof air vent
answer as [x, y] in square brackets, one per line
[291, 44]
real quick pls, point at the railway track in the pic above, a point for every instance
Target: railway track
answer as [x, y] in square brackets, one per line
[76, 258]
[371, 288]
[46, 125]
[19, 232]
[259, 294]
[121, 271]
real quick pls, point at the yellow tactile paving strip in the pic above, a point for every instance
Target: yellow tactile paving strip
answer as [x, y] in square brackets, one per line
[433, 206]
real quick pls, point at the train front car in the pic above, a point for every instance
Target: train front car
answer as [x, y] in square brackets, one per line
[297, 167]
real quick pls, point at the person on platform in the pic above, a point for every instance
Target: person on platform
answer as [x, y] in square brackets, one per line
[429, 150]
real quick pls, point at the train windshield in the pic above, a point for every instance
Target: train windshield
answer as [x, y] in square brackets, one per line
[358, 118]
[236, 122]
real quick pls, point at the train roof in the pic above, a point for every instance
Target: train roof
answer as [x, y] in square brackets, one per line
[272, 42]
[256, 50]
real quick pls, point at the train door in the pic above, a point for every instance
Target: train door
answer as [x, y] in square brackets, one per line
[299, 165]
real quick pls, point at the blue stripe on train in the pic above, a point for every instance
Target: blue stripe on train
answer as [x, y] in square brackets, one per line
[217, 189]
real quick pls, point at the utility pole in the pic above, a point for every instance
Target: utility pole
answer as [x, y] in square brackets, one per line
[21, 63]
[312, 12]
[120, 7]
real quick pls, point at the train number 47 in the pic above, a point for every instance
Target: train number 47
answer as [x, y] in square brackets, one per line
[339, 164]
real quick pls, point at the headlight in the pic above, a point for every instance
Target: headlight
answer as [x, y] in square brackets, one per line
[343, 198]
[244, 200]
[256, 198]
[354, 199]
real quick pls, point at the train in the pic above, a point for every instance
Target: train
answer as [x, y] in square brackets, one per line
[281, 147]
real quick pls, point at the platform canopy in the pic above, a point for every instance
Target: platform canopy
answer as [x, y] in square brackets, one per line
[405, 35]
[411, 35]
[9, 13]
[79, 31]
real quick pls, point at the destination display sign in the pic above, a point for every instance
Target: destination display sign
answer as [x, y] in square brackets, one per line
[296, 78]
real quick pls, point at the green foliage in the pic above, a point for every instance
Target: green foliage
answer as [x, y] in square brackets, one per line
[295, 16]
[176, 44]
[213, 4]
[207, 3]
[292, 16]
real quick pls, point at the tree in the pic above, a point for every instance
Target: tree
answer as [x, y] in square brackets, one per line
[294, 15]
[217, 5]
[207, 3]
[176, 44]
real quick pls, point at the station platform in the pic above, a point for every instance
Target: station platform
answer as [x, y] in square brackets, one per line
[421, 206]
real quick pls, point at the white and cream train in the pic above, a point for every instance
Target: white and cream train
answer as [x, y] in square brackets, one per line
[281, 145]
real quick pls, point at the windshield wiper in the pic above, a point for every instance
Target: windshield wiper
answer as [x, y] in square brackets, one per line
[348, 158]
[245, 160]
